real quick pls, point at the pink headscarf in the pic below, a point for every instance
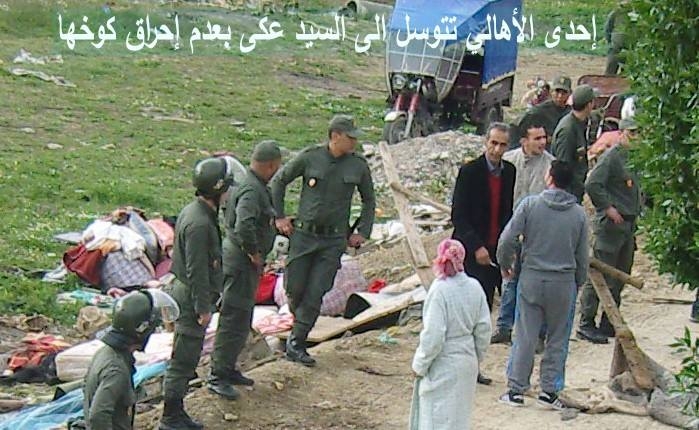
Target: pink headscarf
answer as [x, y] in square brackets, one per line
[450, 259]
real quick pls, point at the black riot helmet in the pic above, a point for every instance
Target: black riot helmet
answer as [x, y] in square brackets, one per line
[137, 314]
[212, 177]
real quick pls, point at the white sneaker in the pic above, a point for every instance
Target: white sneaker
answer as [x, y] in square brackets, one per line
[512, 398]
[550, 401]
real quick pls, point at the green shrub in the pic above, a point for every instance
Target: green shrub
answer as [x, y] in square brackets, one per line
[664, 70]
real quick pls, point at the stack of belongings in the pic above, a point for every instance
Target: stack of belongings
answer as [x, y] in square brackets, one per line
[123, 251]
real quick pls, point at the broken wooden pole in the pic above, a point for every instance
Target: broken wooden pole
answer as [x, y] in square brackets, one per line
[419, 197]
[616, 273]
[637, 361]
[417, 250]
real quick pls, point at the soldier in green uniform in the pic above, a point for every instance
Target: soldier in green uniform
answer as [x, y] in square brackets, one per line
[619, 35]
[570, 140]
[196, 264]
[249, 238]
[546, 114]
[109, 401]
[615, 193]
[320, 233]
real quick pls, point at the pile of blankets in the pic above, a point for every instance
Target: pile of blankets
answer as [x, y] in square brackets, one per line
[122, 251]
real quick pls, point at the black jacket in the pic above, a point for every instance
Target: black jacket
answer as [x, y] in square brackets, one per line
[470, 210]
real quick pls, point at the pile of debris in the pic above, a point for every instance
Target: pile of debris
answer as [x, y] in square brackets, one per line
[428, 165]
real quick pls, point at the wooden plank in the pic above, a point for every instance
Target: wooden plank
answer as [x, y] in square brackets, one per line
[419, 197]
[636, 360]
[325, 328]
[329, 327]
[616, 273]
[672, 301]
[417, 250]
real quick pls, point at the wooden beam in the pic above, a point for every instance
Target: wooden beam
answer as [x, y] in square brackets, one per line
[616, 273]
[417, 250]
[419, 197]
[636, 360]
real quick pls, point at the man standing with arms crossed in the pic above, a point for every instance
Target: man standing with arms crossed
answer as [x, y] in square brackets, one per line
[249, 238]
[616, 195]
[320, 233]
[196, 264]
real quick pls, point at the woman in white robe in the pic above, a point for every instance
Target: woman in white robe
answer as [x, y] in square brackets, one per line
[455, 335]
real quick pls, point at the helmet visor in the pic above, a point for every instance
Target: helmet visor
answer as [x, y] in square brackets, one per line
[164, 305]
[235, 170]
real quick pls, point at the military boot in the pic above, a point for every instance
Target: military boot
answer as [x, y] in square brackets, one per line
[501, 336]
[223, 388]
[175, 418]
[694, 315]
[591, 334]
[606, 328]
[296, 351]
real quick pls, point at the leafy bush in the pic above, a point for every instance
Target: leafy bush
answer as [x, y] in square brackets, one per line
[664, 70]
[688, 378]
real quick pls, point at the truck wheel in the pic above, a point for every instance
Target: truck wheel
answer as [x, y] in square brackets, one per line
[493, 114]
[393, 132]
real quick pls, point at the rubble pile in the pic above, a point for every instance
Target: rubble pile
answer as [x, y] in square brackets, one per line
[428, 165]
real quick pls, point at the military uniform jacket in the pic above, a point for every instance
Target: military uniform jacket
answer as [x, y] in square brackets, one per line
[546, 114]
[196, 257]
[249, 219]
[610, 183]
[109, 391]
[570, 145]
[328, 186]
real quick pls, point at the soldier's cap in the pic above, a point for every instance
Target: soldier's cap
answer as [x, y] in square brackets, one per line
[628, 124]
[583, 94]
[561, 83]
[345, 124]
[267, 150]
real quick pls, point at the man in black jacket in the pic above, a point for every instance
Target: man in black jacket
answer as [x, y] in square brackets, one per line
[482, 206]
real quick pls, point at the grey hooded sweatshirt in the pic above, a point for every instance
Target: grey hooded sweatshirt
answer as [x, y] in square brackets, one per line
[553, 229]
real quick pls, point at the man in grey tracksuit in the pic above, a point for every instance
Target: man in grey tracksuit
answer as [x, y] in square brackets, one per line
[552, 228]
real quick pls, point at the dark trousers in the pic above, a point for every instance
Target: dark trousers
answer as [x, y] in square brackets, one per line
[488, 276]
[612, 67]
[186, 349]
[622, 259]
[310, 273]
[235, 317]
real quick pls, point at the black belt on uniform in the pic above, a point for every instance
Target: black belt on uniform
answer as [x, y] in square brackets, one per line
[323, 230]
[629, 218]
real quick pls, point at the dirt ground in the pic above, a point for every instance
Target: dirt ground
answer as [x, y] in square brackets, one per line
[363, 383]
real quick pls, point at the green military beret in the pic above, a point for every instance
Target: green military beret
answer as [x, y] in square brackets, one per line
[345, 124]
[561, 83]
[267, 150]
[583, 94]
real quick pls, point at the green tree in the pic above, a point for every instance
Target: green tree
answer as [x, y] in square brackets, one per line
[664, 71]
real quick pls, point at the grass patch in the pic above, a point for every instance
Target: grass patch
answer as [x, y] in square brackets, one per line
[114, 152]
[548, 14]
